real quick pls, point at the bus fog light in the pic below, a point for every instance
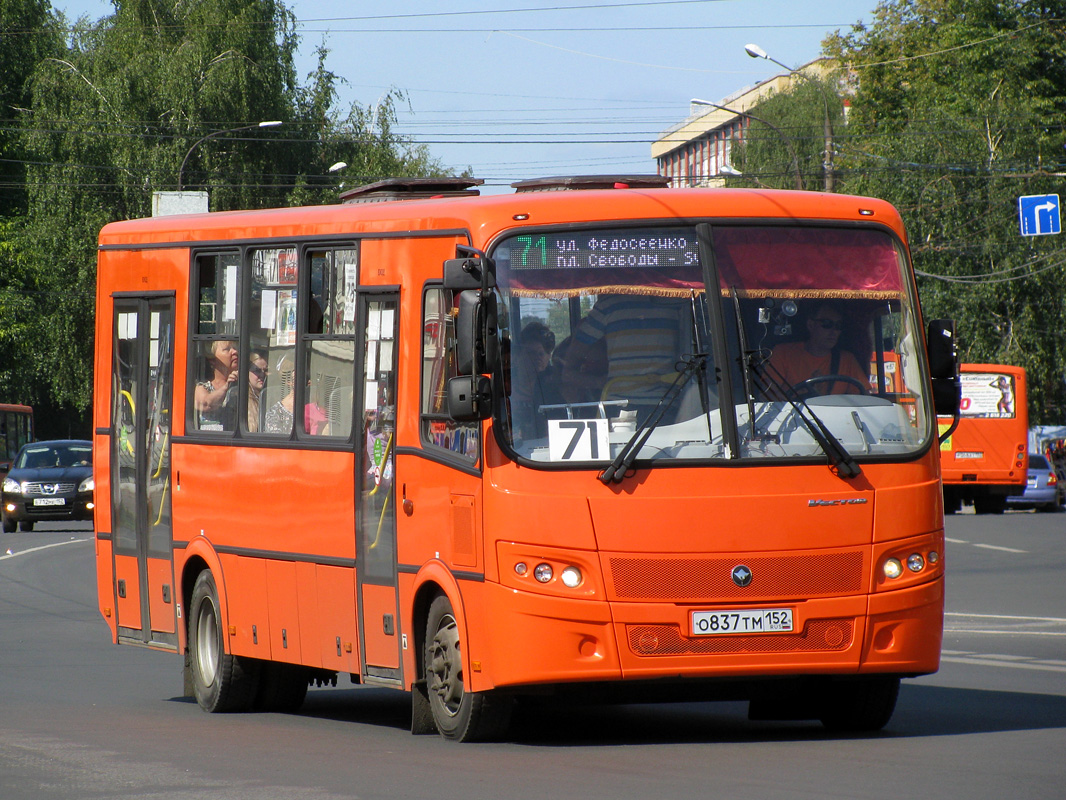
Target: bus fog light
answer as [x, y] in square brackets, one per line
[893, 568]
[571, 577]
[915, 562]
[520, 568]
[934, 556]
[543, 573]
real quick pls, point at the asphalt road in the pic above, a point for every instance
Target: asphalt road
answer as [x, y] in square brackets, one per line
[81, 718]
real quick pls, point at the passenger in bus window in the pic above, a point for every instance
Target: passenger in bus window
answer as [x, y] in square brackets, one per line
[279, 416]
[215, 397]
[642, 338]
[257, 375]
[529, 390]
[807, 365]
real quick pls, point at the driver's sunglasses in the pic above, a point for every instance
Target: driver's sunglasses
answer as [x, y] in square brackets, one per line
[830, 324]
[259, 372]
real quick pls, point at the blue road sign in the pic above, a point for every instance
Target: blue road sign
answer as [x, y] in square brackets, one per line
[1038, 214]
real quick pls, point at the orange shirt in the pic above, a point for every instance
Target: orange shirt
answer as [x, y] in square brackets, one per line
[790, 363]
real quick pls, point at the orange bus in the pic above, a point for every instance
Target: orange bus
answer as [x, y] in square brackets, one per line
[16, 429]
[480, 447]
[986, 458]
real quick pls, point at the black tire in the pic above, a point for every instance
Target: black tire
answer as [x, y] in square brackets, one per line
[459, 715]
[282, 687]
[9, 525]
[221, 682]
[861, 705]
[25, 525]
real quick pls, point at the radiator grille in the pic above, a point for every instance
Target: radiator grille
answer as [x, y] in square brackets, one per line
[708, 579]
[667, 640]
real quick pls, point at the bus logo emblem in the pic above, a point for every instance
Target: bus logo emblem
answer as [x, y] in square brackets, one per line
[741, 575]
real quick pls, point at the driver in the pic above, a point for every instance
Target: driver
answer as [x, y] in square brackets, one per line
[819, 356]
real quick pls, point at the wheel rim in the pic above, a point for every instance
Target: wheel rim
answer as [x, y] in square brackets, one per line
[207, 642]
[445, 666]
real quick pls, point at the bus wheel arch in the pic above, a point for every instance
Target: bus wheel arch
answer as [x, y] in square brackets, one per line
[457, 713]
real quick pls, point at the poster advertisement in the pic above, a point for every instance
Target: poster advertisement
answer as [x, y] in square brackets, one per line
[285, 318]
[987, 395]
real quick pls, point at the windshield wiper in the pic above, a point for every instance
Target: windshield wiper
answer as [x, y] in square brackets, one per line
[617, 469]
[839, 457]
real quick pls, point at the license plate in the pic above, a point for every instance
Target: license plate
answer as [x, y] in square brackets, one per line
[49, 501]
[756, 620]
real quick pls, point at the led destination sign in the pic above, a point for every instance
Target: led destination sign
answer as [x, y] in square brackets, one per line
[640, 248]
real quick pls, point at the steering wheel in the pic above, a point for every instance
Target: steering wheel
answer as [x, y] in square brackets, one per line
[803, 388]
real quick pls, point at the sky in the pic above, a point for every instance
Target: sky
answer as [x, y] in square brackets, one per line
[519, 89]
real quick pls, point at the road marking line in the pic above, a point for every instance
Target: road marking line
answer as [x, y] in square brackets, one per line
[41, 547]
[1004, 549]
[955, 541]
[1004, 616]
[992, 662]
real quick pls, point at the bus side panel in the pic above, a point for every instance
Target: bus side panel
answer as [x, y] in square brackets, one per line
[283, 611]
[338, 632]
[247, 619]
[161, 595]
[105, 585]
[128, 591]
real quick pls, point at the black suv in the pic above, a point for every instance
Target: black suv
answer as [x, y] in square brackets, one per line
[49, 481]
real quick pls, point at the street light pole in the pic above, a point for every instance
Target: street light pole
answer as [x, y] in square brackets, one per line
[755, 51]
[181, 169]
[786, 139]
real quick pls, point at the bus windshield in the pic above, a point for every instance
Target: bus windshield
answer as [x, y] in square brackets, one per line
[807, 343]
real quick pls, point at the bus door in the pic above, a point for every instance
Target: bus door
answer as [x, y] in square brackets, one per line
[140, 469]
[375, 484]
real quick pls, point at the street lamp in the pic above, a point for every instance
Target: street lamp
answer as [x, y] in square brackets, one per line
[181, 169]
[786, 139]
[755, 51]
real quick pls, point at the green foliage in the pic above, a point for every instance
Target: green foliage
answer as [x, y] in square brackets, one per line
[957, 108]
[101, 121]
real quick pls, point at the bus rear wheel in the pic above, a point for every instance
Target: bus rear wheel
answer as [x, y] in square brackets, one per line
[861, 705]
[221, 682]
[459, 715]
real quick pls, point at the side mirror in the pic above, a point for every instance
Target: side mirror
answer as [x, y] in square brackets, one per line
[943, 349]
[944, 367]
[469, 398]
[461, 274]
[476, 336]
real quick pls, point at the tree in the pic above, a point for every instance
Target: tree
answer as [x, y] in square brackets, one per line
[788, 134]
[110, 118]
[956, 110]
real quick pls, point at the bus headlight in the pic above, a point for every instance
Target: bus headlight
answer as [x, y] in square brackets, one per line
[543, 573]
[893, 568]
[915, 562]
[571, 577]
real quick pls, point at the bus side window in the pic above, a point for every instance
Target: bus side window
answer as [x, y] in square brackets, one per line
[438, 365]
[329, 343]
[214, 389]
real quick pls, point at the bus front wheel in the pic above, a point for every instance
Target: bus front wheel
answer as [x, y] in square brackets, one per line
[459, 715]
[221, 682]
